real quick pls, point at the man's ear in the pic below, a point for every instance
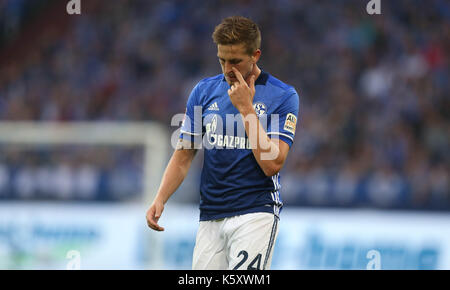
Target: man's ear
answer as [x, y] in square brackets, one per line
[256, 55]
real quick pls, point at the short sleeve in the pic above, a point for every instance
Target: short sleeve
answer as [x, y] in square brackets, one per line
[283, 121]
[191, 127]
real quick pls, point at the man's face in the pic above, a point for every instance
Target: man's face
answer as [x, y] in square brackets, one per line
[236, 56]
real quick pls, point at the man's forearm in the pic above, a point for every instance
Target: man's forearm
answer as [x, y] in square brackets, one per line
[265, 150]
[175, 173]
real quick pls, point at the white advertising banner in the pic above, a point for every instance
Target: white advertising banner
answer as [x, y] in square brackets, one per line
[332, 239]
[115, 236]
[64, 236]
[362, 239]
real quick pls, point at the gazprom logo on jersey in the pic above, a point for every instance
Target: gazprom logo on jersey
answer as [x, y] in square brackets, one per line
[215, 132]
[214, 139]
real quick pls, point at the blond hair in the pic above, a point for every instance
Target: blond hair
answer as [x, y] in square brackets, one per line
[237, 30]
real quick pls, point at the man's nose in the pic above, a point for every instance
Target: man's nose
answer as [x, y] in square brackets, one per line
[228, 68]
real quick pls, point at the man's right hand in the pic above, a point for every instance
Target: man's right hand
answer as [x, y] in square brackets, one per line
[153, 215]
[173, 176]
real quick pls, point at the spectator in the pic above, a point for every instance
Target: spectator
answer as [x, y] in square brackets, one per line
[373, 89]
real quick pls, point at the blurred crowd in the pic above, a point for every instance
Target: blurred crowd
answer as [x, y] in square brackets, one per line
[373, 128]
[82, 173]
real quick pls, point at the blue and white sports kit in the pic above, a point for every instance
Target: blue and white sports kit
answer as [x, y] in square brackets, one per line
[232, 183]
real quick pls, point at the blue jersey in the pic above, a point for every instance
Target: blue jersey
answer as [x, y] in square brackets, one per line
[232, 183]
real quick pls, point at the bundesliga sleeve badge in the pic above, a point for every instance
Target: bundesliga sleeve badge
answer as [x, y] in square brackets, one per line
[290, 123]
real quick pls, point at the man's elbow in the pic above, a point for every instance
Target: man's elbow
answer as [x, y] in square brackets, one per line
[272, 169]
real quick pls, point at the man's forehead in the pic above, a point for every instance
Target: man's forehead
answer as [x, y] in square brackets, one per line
[231, 49]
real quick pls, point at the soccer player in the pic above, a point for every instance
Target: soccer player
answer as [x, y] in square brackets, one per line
[246, 120]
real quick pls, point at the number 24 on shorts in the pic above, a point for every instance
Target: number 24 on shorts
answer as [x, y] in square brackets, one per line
[251, 266]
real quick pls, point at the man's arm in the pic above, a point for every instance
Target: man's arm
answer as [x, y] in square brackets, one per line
[270, 154]
[173, 176]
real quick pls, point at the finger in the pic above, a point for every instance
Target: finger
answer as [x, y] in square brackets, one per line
[153, 223]
[238, 75]
[158, 228]
[158, 212]
[152, 220]
[251, 82]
